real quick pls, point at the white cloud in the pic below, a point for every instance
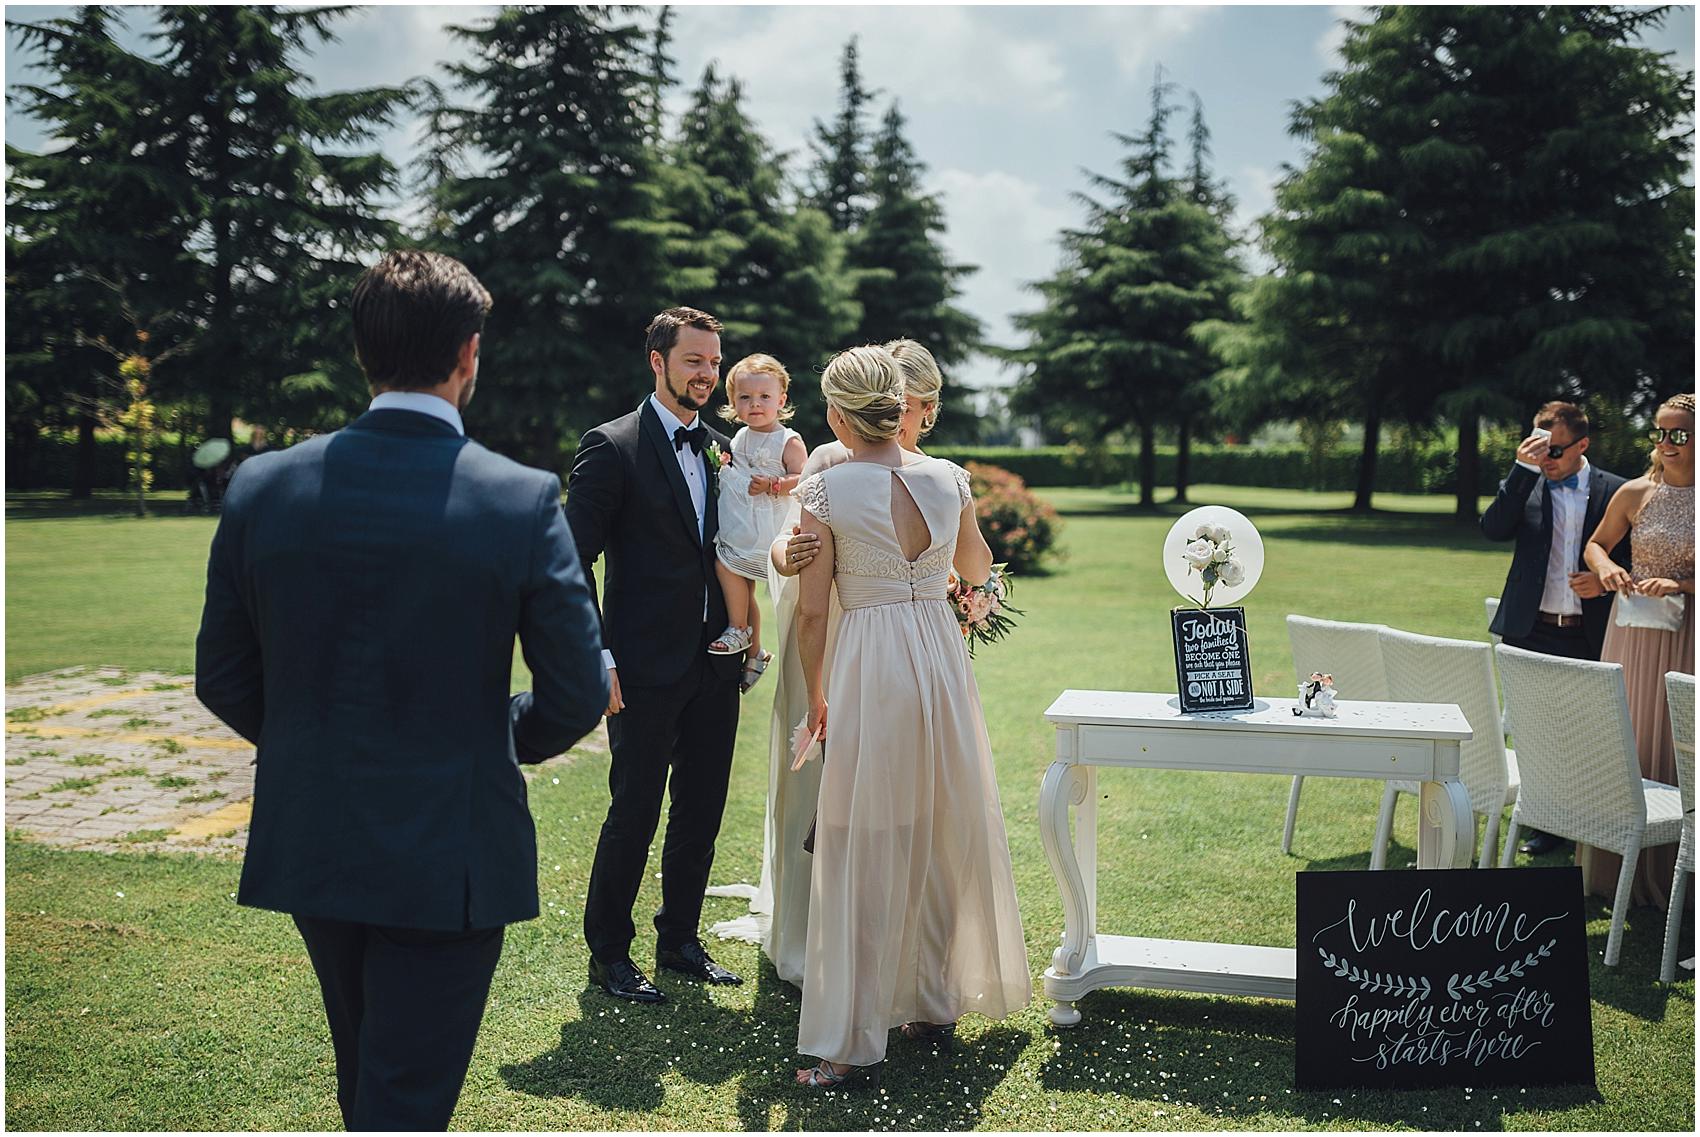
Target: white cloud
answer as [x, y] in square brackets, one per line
[963, 60]
[1139, 36]
[1328, 46]
[1254, 195]
[1005, 225]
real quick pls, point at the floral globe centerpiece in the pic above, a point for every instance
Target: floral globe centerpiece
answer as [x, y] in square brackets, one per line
[1213, 556]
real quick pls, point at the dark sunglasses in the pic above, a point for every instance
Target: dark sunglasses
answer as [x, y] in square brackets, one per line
[1556, 452]
[1677, 437]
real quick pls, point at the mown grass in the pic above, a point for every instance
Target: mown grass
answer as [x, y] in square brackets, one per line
[140, 996]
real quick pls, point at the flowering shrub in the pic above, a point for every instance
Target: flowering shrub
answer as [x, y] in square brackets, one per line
[1021, 529]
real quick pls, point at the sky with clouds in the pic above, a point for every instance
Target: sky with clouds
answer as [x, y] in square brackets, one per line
[1007, 105]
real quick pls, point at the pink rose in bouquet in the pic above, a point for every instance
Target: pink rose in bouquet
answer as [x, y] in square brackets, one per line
[982, 612]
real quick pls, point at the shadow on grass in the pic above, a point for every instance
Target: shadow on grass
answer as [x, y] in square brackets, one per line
[1233, 1058]
[1385, 529]
[50, 505]
[615, 1056]
[1111, 507]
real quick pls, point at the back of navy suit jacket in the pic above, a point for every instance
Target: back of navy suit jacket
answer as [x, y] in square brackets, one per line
[364, 591]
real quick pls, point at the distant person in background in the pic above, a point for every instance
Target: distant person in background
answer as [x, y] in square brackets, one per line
[1551, 500]
[1656, 511]
[258, 442]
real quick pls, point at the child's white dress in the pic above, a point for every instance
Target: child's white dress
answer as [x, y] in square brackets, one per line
[748, 525]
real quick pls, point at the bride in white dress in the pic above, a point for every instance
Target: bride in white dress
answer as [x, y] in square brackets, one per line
[778, 918]
[912, 912]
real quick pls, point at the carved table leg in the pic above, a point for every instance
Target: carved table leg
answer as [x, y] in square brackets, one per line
[1446, 831]
[1067, 785]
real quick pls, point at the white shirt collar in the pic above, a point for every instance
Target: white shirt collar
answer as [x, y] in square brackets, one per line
[421, 403]
[670, 421]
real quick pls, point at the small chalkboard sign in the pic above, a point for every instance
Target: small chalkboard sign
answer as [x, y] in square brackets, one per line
[1429, 977]
[1212, 663]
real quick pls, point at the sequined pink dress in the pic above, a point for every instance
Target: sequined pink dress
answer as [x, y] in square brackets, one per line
[1661, 539]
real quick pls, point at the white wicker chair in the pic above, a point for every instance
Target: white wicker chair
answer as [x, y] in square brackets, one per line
[1679, 693]
[1491, 603]
[1428, 669]
[1581, 777]
[1352, 654]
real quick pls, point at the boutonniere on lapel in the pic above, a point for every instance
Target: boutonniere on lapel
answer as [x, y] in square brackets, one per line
[717, 458]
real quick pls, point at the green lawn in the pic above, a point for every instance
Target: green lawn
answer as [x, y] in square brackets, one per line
[139, 996]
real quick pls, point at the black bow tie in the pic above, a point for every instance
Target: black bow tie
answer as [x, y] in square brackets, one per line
[697, 437]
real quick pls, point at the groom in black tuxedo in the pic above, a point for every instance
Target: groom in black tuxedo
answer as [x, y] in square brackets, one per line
[363, 594]
[642, 496]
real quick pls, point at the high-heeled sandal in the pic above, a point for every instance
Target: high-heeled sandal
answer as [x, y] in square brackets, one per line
[942, 1035]
[820, 1077]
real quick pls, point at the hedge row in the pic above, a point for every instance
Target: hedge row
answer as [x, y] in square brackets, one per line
[1428, 468]
[52, 461]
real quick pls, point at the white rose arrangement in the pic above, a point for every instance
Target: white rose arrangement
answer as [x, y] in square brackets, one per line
[1210, 553]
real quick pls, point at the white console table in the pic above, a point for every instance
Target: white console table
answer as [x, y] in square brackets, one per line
[1380, 741]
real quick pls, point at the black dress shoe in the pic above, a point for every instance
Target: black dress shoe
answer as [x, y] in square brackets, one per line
[690, 959]
[624, 981]
[1540, 843]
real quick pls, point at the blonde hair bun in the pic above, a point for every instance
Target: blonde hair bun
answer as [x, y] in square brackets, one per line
[865, 385]
[921, 376]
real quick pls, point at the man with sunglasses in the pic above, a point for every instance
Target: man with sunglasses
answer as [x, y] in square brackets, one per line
[1549, 504]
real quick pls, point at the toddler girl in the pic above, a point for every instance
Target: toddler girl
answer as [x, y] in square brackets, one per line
[767, 459]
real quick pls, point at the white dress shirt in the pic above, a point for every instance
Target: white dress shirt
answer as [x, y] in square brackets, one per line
[422, 403]
[1569, 506]
[690, 462]
[696, 481]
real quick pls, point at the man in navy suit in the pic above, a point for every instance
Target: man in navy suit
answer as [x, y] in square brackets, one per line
[642, 498]
[1549, 504]
[363, 594]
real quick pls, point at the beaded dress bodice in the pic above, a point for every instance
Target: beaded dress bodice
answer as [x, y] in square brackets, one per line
[1661, 541]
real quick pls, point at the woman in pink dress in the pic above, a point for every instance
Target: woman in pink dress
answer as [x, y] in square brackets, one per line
[1657, 511]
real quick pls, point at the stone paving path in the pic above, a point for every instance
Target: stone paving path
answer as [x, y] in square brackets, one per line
[100, 758]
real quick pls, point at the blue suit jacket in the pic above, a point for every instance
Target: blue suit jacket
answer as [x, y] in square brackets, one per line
[1522, 512]
[363, 593]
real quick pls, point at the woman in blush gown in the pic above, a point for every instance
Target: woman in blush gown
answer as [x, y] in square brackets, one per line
[779, 913]
[912, 912]
[1657, 510]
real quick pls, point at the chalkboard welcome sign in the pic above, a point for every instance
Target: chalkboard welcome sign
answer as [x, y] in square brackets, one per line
[1435, 978]
[1212, 664]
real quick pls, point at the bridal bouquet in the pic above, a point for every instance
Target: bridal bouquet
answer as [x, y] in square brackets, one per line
[983, 611]
[1210, 553]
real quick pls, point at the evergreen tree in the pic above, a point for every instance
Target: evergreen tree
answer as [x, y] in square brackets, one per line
[906, 284]
[660, 73]
[781, 285]
[1113, 345]
[841, 150]
[277, 197]
[545, 185]
[92, 216]
[1495, 211]
[1195, 406]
